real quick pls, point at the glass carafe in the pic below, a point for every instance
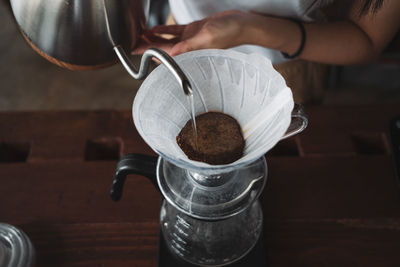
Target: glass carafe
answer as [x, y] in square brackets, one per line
[211, 242]
[207, 218]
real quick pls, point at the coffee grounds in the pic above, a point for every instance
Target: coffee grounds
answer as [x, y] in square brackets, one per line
[219, 139]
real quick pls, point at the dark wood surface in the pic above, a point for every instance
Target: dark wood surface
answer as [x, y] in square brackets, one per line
[331, 197]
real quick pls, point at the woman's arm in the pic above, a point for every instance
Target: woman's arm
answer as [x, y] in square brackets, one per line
[355, 40]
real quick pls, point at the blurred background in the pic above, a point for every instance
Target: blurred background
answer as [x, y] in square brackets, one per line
[29, 82]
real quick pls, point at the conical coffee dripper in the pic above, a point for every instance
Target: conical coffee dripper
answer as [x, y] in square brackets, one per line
[247, 87]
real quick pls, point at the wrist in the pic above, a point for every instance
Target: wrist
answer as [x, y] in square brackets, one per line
[302, 41]
[247, 29]
[275, 33]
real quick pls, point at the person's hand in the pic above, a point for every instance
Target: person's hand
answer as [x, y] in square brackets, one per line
[148, 40]
[222, 30]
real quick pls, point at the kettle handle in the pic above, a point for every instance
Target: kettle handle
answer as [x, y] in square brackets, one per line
[298, 123]
[133, 164]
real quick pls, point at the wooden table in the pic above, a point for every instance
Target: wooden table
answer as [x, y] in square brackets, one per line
[331, 198]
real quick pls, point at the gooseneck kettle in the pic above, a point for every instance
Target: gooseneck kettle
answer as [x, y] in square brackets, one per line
[82, 34]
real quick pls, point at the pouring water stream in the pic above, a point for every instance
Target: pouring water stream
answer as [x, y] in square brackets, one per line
[193, 115]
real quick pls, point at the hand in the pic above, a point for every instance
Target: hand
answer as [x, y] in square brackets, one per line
[222, 30]
[148, 40]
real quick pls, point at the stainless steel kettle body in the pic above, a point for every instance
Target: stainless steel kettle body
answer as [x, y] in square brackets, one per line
[89, 34]
[80, 34]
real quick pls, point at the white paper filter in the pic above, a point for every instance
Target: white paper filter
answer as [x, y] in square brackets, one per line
[243, 86]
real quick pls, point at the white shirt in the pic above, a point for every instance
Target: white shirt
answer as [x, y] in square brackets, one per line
[187, 11]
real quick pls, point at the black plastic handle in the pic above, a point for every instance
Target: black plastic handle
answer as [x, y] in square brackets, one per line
[133, 164]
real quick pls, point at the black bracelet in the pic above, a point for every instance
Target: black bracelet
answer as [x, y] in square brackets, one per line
[303, 40]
